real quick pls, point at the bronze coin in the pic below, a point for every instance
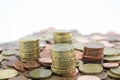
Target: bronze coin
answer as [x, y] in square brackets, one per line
[19, 66]
[45, 52]
[11, 63]
[78, 54]
[110, 65]
[45, 60]
[31, 64]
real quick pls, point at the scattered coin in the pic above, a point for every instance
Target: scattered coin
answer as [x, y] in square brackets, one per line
[115, 71]
[40, 73]
[45, 60]
[8, 73]
[31, 64]
[91, 68]
[19, 66]
[88, 77]
[11, 63]
[110, 65]
[20, 77]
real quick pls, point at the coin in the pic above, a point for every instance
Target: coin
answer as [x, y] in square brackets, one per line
[113, 75]
[8, 73]
[112, 58]
[88, 77]
[11, 63]
[91, 68]
[102, 75]
[9, 58]
[20, 77]
[78, 54]
[115, 71]
[110, 65]
[8, 52]
[111, 52]
[78, 46]
[19, 66]
[31, 64]
[40, 73]
[45, 60]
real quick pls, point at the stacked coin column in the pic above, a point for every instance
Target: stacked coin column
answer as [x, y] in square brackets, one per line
[93, 53]
[62, 37]
[29, 49]
[63, 59]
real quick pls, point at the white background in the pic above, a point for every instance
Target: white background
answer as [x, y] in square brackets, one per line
[21, 17]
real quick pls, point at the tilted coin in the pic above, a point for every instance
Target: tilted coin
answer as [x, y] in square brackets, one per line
[19, 66]
[31, 64]
[40, 73]
[11, 63]
[8, 73]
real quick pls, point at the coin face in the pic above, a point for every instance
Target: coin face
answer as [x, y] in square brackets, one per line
[40, 73]
[113, 75]
[115, 71]
[20, 77]
[8, 73]
[91, 68]
[88, 77]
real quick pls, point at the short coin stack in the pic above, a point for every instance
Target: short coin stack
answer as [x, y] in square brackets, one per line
[62, 37]
[93, 52]
[29, 49]
[63, 59]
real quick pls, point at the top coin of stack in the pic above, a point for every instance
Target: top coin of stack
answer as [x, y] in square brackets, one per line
[61, 36]
[29, 49]
[93, 52]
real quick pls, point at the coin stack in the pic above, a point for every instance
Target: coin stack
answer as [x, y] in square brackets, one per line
[29, 49]
[62, 37]
[93, 52]
[63, 59]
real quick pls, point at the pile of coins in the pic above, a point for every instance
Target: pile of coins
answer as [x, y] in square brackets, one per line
[93, 52]
[62, 37]
[29, 49]
[63, 59]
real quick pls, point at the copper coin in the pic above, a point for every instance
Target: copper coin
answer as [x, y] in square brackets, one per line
[19, 66]
[45, 52]
[31, 64]
[88, 77]
[78, 54]
[46, 65]
[45, 60]
[110, 65]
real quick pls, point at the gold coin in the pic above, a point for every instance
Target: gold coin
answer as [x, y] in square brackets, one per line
[8, 73]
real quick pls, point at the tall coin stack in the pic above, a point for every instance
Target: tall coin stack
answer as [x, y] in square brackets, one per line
[29, 49]
[63, 59]
[61, 36]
